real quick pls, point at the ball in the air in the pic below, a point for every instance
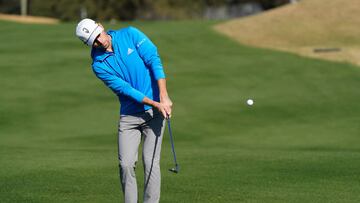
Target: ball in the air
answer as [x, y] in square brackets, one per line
[250, 102]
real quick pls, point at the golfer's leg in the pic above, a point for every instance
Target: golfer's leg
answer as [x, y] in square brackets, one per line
[153, 134]
[128, 144]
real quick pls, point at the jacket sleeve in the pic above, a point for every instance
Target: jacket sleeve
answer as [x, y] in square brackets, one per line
[148, 52]
[117, 85]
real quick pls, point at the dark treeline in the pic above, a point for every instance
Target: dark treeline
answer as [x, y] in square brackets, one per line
[125, 9]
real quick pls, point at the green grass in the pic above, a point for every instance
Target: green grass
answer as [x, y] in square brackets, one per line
[298, 143]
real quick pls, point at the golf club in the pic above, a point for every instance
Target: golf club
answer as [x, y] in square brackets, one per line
[177, 167]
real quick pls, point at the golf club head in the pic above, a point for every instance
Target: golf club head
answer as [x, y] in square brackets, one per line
[176, 169]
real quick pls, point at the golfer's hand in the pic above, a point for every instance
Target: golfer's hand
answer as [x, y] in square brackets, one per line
[164, 106]
[167, 104]
[161, 108]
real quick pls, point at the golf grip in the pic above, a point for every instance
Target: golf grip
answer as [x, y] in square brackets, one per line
[171, 140]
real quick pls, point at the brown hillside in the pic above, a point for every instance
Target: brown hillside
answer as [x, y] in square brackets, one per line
[303, 27]
[28, 19]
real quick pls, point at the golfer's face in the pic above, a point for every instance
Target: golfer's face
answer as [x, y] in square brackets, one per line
[102, 41]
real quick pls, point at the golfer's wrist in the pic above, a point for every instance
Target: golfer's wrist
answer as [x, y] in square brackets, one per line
[164, 95]
[149, 102]
[155, 104]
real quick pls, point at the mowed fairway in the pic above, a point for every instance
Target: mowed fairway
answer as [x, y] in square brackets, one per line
[299, 142]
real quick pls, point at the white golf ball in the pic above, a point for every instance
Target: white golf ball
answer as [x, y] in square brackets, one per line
[250, 102]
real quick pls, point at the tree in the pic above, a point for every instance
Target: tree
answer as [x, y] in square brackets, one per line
[68, 10]
[10, 6]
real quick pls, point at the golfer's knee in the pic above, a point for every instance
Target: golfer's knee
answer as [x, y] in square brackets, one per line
[127, 165]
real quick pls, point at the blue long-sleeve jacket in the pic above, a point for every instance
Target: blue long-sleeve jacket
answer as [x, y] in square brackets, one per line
[131, 71]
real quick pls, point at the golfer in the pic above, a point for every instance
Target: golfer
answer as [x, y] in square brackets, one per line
[129, 64]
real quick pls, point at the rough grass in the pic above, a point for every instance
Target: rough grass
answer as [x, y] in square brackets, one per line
[302, 27]
[297, 143]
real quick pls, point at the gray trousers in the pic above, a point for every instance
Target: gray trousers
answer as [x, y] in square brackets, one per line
[149, 125]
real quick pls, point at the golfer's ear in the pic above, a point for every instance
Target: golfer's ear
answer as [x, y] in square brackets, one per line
[101, 25]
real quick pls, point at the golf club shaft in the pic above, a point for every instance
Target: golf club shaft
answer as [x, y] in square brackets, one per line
[172, 141]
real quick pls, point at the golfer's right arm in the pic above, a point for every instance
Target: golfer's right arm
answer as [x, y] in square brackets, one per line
[120, 87]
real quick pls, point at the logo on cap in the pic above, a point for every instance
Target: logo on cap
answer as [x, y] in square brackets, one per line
[86, 30]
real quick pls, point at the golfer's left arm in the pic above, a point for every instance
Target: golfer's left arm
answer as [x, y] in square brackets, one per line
[164, 97]
[148, 52]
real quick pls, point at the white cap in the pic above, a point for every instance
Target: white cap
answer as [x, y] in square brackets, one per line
[87, 30]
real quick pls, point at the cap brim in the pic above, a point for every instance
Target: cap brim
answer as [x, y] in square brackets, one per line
[93, 35]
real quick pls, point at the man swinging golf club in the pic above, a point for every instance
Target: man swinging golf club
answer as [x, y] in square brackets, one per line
[128, 63]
